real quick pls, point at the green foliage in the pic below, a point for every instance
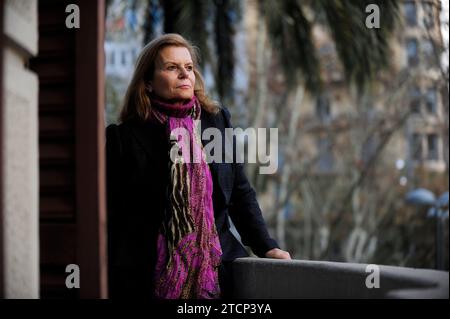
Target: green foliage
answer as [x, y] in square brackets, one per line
[361, 50]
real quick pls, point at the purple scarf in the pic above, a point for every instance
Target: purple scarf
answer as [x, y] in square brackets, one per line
[189, 251]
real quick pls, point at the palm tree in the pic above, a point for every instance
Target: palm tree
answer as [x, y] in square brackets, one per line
[361, 50]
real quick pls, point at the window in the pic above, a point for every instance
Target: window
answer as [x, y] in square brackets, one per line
[414, 98]
[134, 54]
[411, 13]
[431, 101]
[432, 147]
[326, 159]
[411, 49]
[323, 109]
[112, 58]
[428, 9]
[416, 147]
[427, 51]
[124, 58]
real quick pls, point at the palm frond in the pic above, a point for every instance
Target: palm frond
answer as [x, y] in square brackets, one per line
[290, 32]
[361, 50]
[226, 15]
[191, 24]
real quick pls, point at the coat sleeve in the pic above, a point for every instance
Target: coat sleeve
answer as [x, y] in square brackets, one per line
[244, 209]
[113, 159]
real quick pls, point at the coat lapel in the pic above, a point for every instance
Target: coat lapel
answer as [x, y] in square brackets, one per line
[207, 121]
[221, 171]
[153, 140]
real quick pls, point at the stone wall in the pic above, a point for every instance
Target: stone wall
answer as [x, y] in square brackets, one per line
[20, 152]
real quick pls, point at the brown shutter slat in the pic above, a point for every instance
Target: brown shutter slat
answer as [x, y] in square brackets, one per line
[72, 208]
[55, 66]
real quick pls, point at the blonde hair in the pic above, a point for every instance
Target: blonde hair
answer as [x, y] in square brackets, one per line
[136, 104]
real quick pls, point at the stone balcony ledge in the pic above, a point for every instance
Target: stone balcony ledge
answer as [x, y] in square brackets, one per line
[264, 278]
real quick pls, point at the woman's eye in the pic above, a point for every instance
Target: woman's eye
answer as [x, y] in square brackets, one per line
[172, 67]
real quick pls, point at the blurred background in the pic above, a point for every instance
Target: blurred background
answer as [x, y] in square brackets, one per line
[362, 113]
[360, 101]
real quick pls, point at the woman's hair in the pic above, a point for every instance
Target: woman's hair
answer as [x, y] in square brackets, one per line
[136, 105]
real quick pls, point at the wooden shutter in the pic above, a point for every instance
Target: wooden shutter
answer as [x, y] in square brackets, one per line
[71, 160]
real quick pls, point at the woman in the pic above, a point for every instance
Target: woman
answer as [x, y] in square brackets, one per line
[168, 228]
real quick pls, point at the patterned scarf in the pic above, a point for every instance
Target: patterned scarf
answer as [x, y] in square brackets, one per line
[188, 246]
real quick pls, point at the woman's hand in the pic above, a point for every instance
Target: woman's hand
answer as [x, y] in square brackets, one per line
[278, 254]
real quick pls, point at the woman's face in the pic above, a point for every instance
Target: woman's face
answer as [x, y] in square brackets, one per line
[174, 77]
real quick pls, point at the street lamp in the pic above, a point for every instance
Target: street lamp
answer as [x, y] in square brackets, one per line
[437, 208]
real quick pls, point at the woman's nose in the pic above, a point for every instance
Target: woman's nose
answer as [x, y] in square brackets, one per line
[183, 73]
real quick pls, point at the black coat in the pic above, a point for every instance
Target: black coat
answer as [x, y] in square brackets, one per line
[137, 178]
